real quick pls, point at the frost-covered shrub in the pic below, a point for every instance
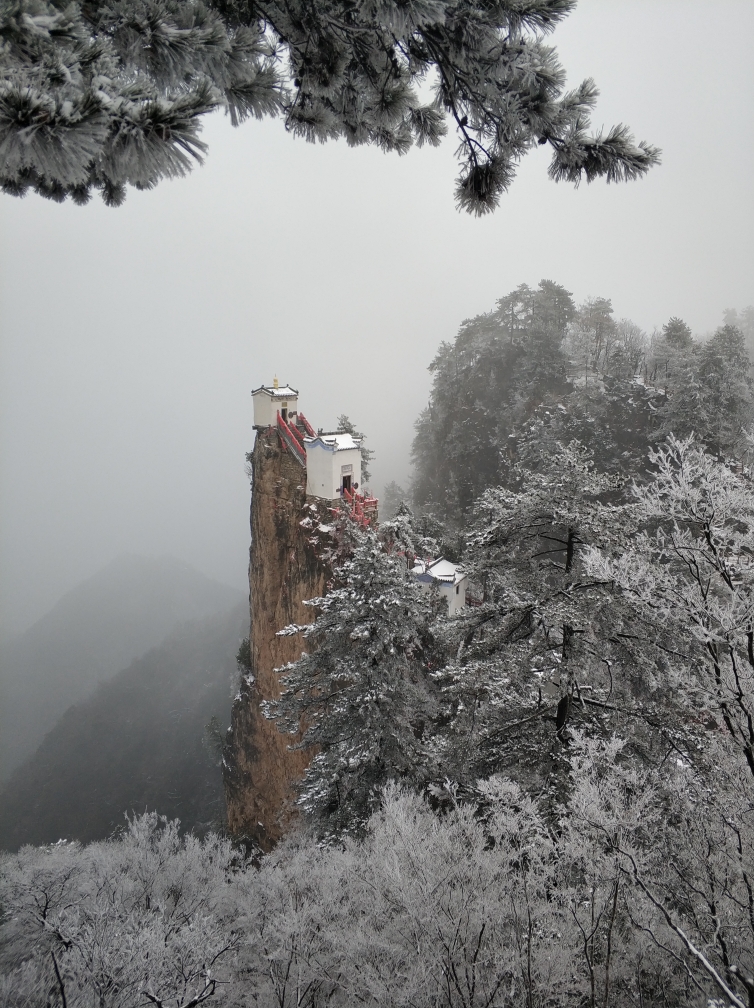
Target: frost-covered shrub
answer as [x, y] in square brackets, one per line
[638, 894]
[145, 919]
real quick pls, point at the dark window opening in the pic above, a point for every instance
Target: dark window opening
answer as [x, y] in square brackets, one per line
[458, 588]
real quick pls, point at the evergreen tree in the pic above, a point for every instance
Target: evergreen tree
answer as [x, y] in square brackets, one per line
[613, 418]
[345, 426]
[535, 656]
[677, 333]
[537, 366]
[743, 320]
[485, 384]
[683, 409]
[684, 566]
[363, 695]
[593, 334]
[673, 368]
[419, 535]
[392, 497]
[710, 392]
[105, 94]
[724, 368]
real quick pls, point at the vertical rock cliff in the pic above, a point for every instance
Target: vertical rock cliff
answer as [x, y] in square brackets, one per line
[260, 769]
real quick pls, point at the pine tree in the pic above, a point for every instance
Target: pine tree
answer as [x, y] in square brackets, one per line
[684, 566]
[392, 497]
[418, 535]
[724, 368]
[536, 651]
[677, 333]
[345, 426]
[363, 694]
[601, 615]
[743, 320]
[683, 409]
[614, 419]
[485, 385]
[710, 392]
[598, 328]
[100, 96]
[106, 94]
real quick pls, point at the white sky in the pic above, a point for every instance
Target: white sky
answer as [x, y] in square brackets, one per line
[132, 337]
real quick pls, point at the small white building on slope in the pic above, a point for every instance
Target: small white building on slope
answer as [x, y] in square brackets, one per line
[333, 465]
[449, 578]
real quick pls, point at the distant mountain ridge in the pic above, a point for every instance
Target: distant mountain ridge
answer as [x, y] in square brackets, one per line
[96, 630]
[137, 744]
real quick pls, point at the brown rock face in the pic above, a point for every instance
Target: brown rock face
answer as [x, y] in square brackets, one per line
[260, 769]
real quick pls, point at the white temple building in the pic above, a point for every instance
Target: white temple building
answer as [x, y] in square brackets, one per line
[269, 400]
[331, 459]
[449, 577]
[333, 465]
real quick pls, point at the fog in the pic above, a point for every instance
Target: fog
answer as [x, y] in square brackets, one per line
[131, 338]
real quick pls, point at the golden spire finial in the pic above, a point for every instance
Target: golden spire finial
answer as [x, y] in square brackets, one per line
[275, 382]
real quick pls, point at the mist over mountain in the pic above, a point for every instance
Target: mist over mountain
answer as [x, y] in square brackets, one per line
[93, 632]
[137, 744]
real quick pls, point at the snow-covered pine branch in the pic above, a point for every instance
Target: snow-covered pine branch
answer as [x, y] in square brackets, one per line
[97, 96]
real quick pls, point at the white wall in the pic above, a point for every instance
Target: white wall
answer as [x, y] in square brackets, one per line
[263, 414]
[266, 407]
[290, 404]
[323, 469]
[456, 601]
[352, 457]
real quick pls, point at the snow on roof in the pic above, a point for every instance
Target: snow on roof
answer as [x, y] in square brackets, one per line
[439, 570]
[284, 392]
[334, 442]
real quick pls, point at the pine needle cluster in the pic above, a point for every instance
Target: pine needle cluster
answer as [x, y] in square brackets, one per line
[97, 96]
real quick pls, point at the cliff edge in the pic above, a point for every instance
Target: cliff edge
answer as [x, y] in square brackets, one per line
[260, 769]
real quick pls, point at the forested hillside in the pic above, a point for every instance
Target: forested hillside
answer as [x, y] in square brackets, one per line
[537, 368]
[541, 801]
[137, 744]
[94, 631]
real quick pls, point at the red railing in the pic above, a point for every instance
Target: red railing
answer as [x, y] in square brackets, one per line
[297, 434]
[291, 440]
[306, 425]
[363, 509]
